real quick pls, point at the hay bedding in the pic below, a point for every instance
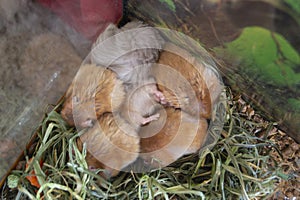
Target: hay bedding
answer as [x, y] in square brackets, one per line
[240, 165]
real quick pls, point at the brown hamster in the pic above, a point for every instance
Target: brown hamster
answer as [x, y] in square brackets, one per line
[182, 78]
[112, 143]
[180, 134]
[130, 52]
[94, 91]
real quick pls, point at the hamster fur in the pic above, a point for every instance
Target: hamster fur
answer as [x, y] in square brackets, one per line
[94, 91]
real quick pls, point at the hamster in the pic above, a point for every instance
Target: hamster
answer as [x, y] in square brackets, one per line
[139, 108]
[112, 144]
[180, 134]
[130, 52]
[196, 88]
[94, 91]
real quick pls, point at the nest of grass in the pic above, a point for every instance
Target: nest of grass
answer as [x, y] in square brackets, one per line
[236, 167]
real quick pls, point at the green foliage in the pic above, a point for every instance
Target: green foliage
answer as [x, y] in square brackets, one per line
[295, 104]
[170, 4]
[294, 4]
[265, 55]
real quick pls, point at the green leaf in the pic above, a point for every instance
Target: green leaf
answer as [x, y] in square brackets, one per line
[170, 4]
[265, 56]
[295, 5]
[295, 104]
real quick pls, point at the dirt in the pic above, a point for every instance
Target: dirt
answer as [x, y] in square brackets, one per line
[286, 157]
[289, 187]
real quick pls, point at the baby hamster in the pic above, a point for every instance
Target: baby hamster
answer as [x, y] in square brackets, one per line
[112, 144]
[139, 107]
[94, 91]
[193, 79]
[180, 134]
[130, 52]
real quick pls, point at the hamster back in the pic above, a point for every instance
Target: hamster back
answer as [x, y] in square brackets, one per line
[181, 134]
[111, 142]
[190, 91]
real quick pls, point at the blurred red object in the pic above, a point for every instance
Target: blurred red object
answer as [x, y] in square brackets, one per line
[89, 17]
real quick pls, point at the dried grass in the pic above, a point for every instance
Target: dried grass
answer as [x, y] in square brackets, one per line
[237, 167]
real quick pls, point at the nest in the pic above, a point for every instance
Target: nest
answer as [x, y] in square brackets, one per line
[236, 167]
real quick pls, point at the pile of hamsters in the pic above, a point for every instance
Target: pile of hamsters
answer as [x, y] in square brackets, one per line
[138, 97]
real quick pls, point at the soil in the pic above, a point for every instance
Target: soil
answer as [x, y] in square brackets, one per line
[286, 157]
[289, 188]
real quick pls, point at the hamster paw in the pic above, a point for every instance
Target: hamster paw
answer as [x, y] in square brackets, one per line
[150, 119]
[159, 97]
